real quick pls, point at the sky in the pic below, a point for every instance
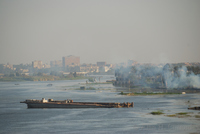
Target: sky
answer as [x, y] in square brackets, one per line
[147, 31]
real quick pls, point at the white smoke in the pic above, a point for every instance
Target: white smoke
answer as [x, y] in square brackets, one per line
[181, 78]
[167, 76]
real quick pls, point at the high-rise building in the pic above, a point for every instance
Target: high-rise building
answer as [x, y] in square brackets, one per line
[101, 64]
[56, 63]
[70, 60]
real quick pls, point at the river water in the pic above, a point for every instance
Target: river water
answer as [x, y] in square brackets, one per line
[17, 119]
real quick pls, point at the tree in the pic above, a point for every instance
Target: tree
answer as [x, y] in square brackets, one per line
[18, 74]
[40, 74]
[12, 75]
[74, 74]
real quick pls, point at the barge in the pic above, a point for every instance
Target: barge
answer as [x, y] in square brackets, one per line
[50, 103]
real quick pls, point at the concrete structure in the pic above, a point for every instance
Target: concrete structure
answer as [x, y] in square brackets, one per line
[10, 66]
[103, 69]
[72, 68]
[24, 70]
[71, 63]
[101, 64]
[37, 64]
[56, 63]
[70, 60]
[46, 66]
[90, 68]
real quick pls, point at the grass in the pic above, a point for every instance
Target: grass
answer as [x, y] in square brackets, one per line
[181, 113]
[90, 88]
[40, 78]
[172, 115]
[159, 112]
[96, 83]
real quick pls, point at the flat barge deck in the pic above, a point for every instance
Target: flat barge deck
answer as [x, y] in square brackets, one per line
[50, 103]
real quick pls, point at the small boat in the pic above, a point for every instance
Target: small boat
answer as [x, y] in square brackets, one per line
[50, 103]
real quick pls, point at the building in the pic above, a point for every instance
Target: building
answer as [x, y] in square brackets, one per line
[72, 68]
[46, 66]
[103, 69]
[10, 66]
[89, 68]
[56, 63]
[101, 64]
[37, 64]
[71, 63]
[70, 60]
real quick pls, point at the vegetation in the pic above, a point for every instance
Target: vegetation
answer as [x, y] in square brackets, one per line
[159, 112]
[172, 115]
[96, 83]
[83, 88]
[181, 113]
[90, 88]
[90, 79]
[129, 94]
[42, 77]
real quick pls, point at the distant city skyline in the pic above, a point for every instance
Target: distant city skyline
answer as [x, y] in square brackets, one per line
[111, 31]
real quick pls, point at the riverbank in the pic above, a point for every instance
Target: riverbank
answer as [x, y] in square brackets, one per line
[40, 78]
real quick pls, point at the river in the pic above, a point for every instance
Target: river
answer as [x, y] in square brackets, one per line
[17, 119]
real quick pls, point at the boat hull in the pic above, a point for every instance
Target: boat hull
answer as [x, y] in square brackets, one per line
[70, 104]
[46, 105]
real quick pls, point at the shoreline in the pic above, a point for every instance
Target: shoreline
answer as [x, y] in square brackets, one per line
[39, 78]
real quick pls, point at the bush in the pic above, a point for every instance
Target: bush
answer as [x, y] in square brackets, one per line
[82, 87]
[90, 79]
[157, 112]
[182, 113]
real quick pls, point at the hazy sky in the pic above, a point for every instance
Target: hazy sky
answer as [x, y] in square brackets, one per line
[150, 31]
